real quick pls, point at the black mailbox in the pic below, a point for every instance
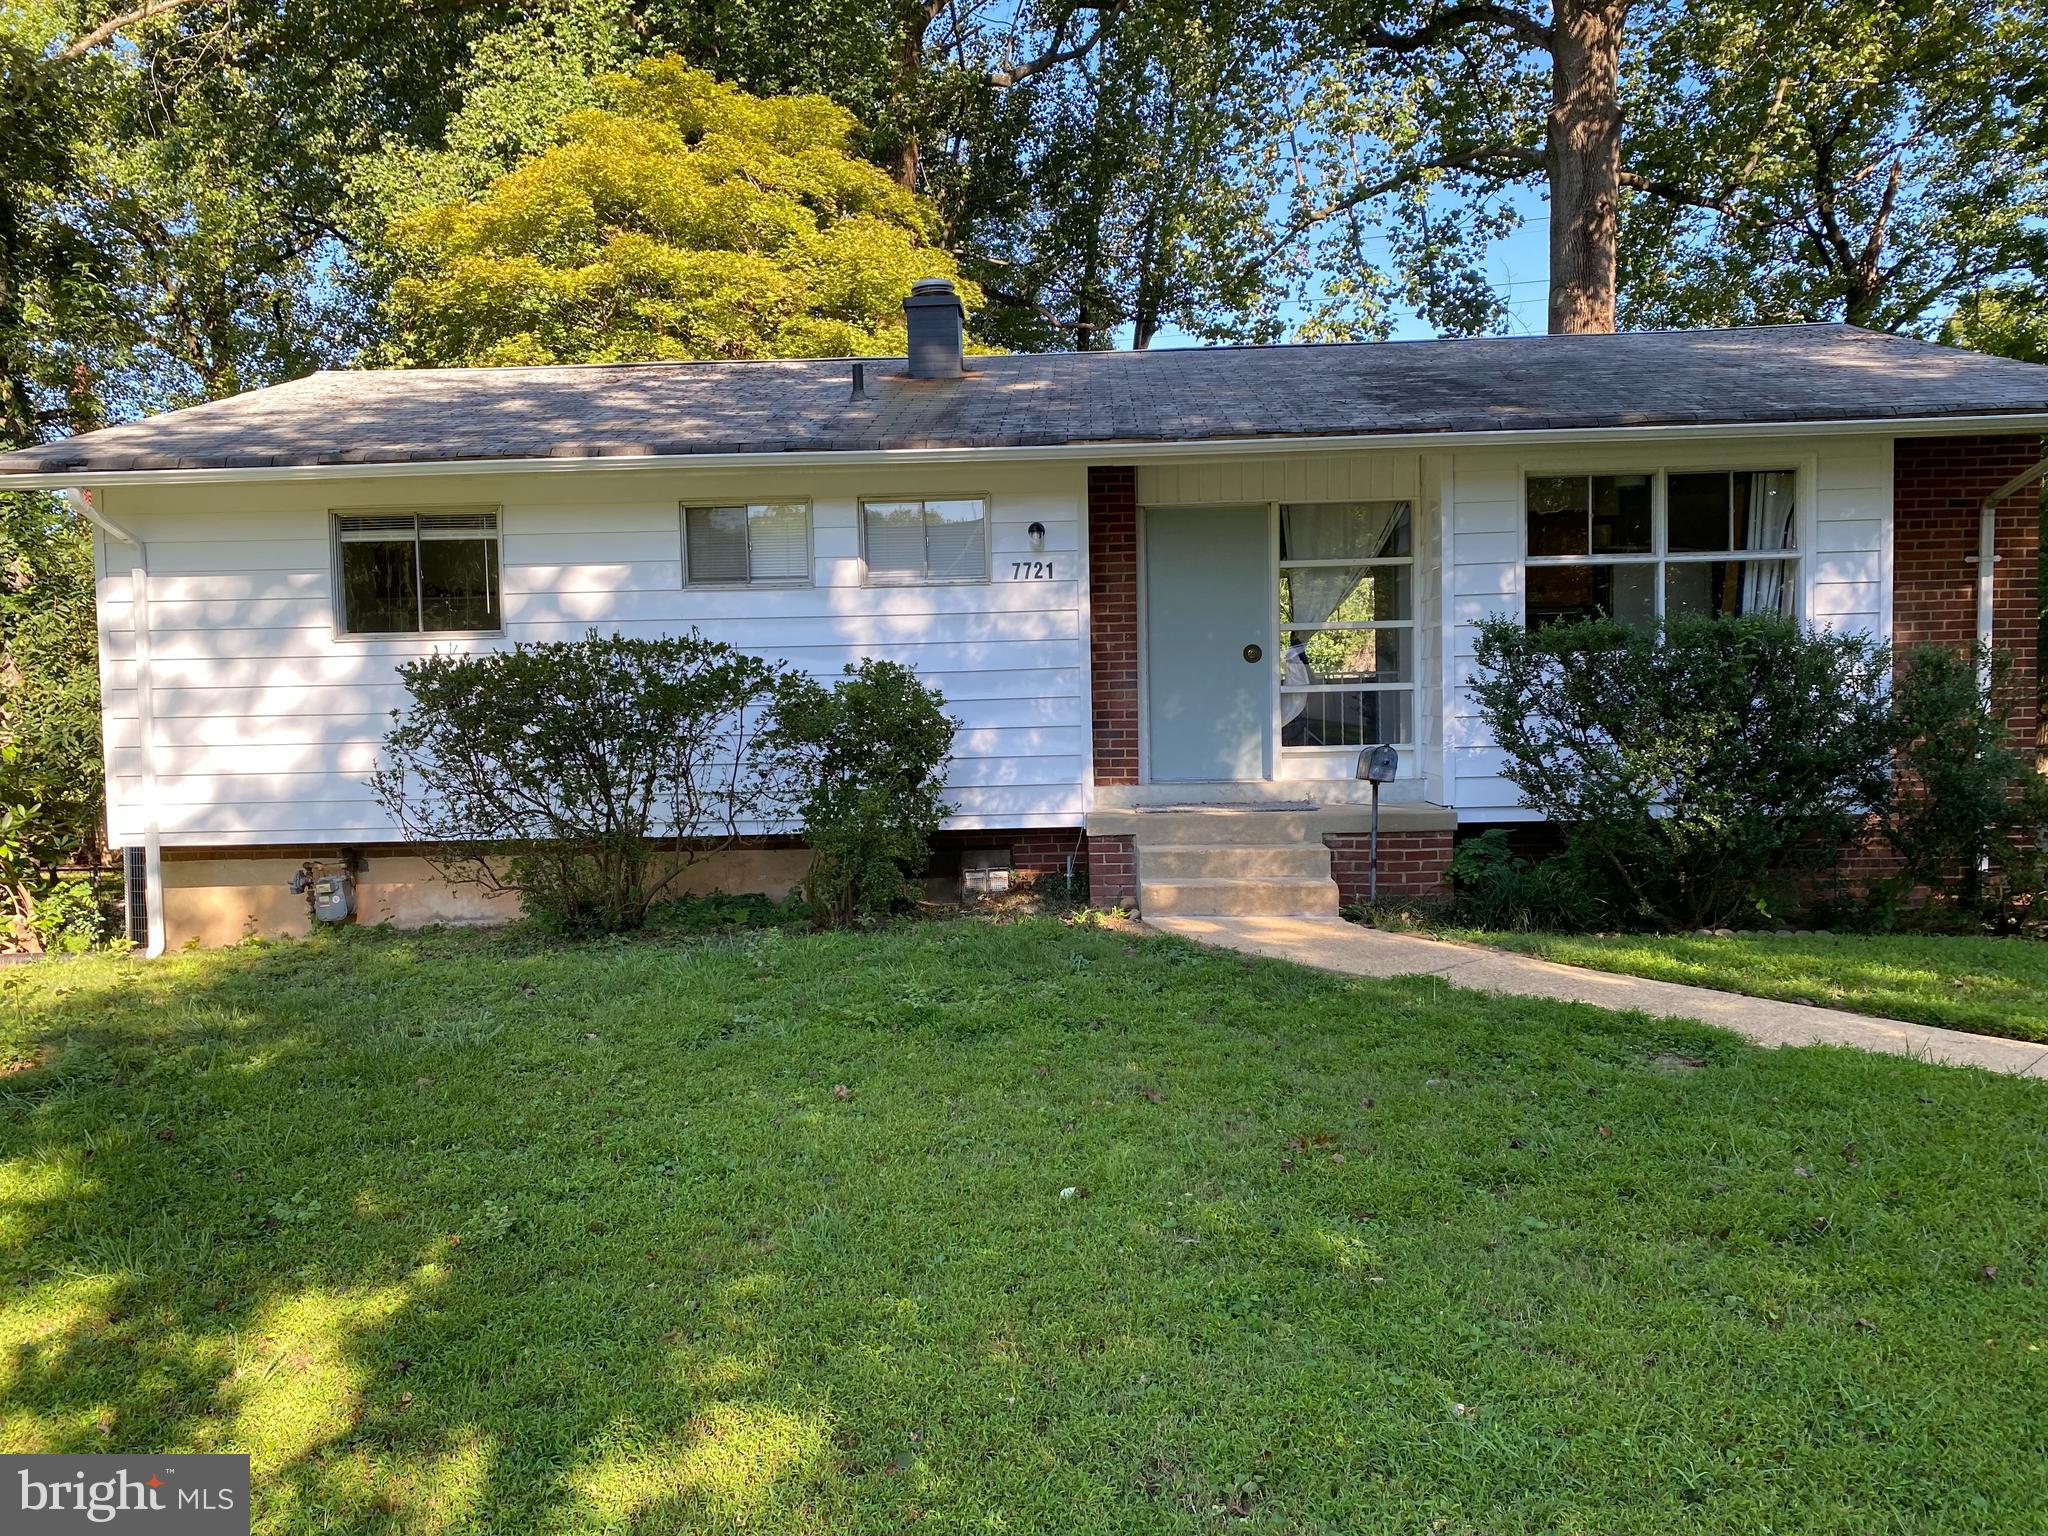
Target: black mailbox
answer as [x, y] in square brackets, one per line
[1378, 764]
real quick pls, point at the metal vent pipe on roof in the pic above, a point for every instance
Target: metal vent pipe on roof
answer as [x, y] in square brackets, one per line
[937, 323]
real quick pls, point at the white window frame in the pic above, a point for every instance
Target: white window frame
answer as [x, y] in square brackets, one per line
[1660, 555]
[988, 523]
[1412, 624]
[786, 583]
[339, 597]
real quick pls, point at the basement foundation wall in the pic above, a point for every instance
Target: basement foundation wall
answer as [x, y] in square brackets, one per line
[217, 897]
[1412, 864]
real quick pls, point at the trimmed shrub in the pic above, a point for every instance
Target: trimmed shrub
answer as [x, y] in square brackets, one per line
[1698, 765]
[583, 775]
[864, 763]
[1492, 886]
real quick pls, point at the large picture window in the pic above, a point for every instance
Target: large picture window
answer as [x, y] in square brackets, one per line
[1638, 548]
[1347, 624]
[417, 573]
[944, 539]
[766, 544]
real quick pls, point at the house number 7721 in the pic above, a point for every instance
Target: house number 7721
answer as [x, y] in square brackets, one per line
[1030, 570]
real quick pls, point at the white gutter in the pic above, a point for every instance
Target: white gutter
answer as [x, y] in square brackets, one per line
[1105, 452]
[145, 714]
[1987, 558]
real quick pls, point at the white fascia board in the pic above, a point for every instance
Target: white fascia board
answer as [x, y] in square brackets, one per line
[1107, 452]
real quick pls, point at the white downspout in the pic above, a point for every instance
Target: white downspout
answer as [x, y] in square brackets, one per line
[145, 713]
[1987, 558]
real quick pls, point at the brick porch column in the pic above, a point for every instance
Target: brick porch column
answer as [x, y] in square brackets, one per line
[1113, 620]
[1938, 488]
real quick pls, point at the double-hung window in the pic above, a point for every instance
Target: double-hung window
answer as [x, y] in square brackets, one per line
[417, 573]
[764, 544]
[1638, 548]
[1347, 624]
[933, 540]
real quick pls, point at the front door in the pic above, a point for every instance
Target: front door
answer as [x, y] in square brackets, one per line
[1208, 620]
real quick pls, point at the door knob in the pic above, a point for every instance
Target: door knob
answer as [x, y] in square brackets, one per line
[1252, 653]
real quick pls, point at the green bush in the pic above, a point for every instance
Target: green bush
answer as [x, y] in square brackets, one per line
[1698, 765]
[1494, 887]
[1968, 811]
[69, 918]
[52, 785]
[864, 763]
[583, 775]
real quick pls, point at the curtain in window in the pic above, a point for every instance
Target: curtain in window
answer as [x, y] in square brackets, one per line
[1770, 528]
[1370, 530]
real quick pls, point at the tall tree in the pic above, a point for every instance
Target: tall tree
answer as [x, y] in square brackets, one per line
[1873, 162]
[1150, 162]
[169, 178]
[1447, 116]
[1704, 161]
[681, 218]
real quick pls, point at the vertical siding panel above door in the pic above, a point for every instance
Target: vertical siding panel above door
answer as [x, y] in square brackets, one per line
[1299, 477]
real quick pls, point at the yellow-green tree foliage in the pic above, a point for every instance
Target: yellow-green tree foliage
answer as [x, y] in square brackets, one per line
[680, 219]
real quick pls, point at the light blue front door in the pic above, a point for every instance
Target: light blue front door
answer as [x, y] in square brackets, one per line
[1208, 595]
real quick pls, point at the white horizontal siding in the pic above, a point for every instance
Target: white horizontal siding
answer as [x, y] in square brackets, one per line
[1431, 542]
[267, 722]
[1845, 560]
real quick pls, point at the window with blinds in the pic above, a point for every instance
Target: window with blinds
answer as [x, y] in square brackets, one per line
[417, 573]
[765, 544]
[925, 541]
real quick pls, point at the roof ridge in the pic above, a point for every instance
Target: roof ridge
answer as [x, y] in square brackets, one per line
[1106, 353]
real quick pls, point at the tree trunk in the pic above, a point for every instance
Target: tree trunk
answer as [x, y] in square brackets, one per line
[1582, 157]
[915, 19]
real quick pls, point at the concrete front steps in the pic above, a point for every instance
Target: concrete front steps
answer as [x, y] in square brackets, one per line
[1232, 861]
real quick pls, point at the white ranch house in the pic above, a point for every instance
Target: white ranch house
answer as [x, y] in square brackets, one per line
[1157, 589]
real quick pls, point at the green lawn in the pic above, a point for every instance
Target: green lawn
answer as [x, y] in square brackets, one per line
[460, 1233]
[1992, 986]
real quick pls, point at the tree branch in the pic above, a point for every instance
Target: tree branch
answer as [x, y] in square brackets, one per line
[1519, 158]
[1455, 18]
[1873, 246]
[106, 31]
[1666, 190]
[1106, 15]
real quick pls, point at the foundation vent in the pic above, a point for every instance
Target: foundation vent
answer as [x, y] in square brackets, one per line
[135, 895]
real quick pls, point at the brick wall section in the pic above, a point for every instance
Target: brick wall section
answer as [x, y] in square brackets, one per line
[1033, 851]
[1112, 871]
[1108, 864]
[1411, 863]
[1113, 620]
[1047, 852]
[1938, 486]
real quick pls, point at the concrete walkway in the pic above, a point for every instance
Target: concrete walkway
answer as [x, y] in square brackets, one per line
[1335, 945]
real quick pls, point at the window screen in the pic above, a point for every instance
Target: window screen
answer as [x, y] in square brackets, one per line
[936, 540]
[411, 573]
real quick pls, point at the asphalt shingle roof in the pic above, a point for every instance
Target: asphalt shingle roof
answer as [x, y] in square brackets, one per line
[1750, 376]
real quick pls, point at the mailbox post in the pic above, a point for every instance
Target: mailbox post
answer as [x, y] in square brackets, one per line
[1376, 765]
